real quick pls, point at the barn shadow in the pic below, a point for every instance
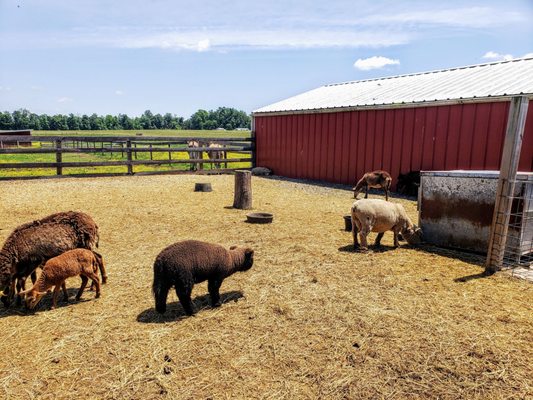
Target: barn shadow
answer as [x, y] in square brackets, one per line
[464, 256]
[46, 302]
[339, 186]
[175, 311]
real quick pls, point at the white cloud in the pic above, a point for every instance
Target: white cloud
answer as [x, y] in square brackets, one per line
[374, 62]
[472, 17]
[222, 40]
[64, 100]
[528, 55]
[203, 45]
[492, 55]
[119, 92]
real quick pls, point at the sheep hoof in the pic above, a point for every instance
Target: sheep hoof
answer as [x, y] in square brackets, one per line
[217, 304]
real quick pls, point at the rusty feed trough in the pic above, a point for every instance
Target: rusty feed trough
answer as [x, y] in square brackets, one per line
[259, 218]
[456, 210]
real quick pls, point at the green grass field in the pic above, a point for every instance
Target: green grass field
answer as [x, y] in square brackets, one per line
[116, 156]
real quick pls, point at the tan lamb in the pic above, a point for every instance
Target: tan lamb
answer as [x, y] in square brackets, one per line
[78, 262]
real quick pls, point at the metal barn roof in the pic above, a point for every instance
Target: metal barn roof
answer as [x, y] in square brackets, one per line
[475, 82]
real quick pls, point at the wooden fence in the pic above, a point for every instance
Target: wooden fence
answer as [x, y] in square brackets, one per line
[131, 152]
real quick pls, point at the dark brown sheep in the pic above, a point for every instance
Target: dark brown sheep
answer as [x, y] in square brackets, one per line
[77, 262]
[31, 245]
[185, 263]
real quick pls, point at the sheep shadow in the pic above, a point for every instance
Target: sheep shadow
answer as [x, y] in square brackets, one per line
[175, 311]
[371, 249]
[46, 302]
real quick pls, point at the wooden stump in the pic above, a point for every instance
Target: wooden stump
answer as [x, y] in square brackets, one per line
[243, 190]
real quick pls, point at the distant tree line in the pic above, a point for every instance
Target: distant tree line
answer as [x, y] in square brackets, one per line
[223, 117]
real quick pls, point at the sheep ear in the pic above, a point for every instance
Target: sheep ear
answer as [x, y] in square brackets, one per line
[233, 247]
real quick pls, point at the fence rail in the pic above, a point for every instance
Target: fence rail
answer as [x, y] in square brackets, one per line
[143, 153]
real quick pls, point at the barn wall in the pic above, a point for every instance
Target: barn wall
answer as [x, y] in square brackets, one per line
[339, 147]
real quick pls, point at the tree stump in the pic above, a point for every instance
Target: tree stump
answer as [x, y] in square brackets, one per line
[243, 190]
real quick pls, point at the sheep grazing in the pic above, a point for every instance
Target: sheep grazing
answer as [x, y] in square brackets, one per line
[375, 179]
[77, 262]
[31, 245]
[216, 154]
[185, 263]
[376, 215]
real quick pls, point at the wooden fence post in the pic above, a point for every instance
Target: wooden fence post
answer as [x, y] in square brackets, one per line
[59, 157]
[512, 145]
[243, 190]
[128, 154]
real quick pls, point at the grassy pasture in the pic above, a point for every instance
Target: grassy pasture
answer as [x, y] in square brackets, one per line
[310, 320]
[116, 156]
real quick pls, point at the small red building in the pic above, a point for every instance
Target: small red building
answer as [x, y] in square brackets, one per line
[441, 120]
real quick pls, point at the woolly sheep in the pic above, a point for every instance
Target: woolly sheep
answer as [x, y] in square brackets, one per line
[376, 215]
[185, 263]
[32, 244]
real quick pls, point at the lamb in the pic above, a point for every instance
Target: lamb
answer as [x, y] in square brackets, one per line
[32, 244]
[216, 154]
[376, 215]
[183, 264]
[375, 179]
[77, 262]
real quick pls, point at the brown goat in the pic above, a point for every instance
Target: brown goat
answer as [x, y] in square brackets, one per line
[185, 263]
[77, 262]
[32, 244]
[375, 179]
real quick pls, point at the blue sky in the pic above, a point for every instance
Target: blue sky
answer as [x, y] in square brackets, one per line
[110, 57]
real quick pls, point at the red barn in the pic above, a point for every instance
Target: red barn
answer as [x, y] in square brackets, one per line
[440, 120]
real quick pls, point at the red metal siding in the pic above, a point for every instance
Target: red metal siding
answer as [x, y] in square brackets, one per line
[340, 147]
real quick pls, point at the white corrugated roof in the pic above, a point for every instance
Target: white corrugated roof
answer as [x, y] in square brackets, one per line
[497, 79]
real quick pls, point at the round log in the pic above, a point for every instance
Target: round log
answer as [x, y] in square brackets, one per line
[243, 190]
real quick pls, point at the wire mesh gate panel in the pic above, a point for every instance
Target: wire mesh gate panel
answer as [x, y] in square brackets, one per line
[519, 239]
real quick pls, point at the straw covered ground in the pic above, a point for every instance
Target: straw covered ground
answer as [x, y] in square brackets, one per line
[312, 319]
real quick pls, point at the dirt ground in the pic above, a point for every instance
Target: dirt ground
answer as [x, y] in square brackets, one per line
[312, 319]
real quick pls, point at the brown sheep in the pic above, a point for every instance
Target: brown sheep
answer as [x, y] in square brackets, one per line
[185, 263]
[376, 215]
[375, 179]
[77, 262]
[31, 245]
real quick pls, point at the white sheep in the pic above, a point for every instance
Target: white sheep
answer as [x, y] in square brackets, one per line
[376, 215]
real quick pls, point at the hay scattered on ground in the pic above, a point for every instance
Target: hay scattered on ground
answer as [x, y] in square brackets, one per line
[311, 319]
